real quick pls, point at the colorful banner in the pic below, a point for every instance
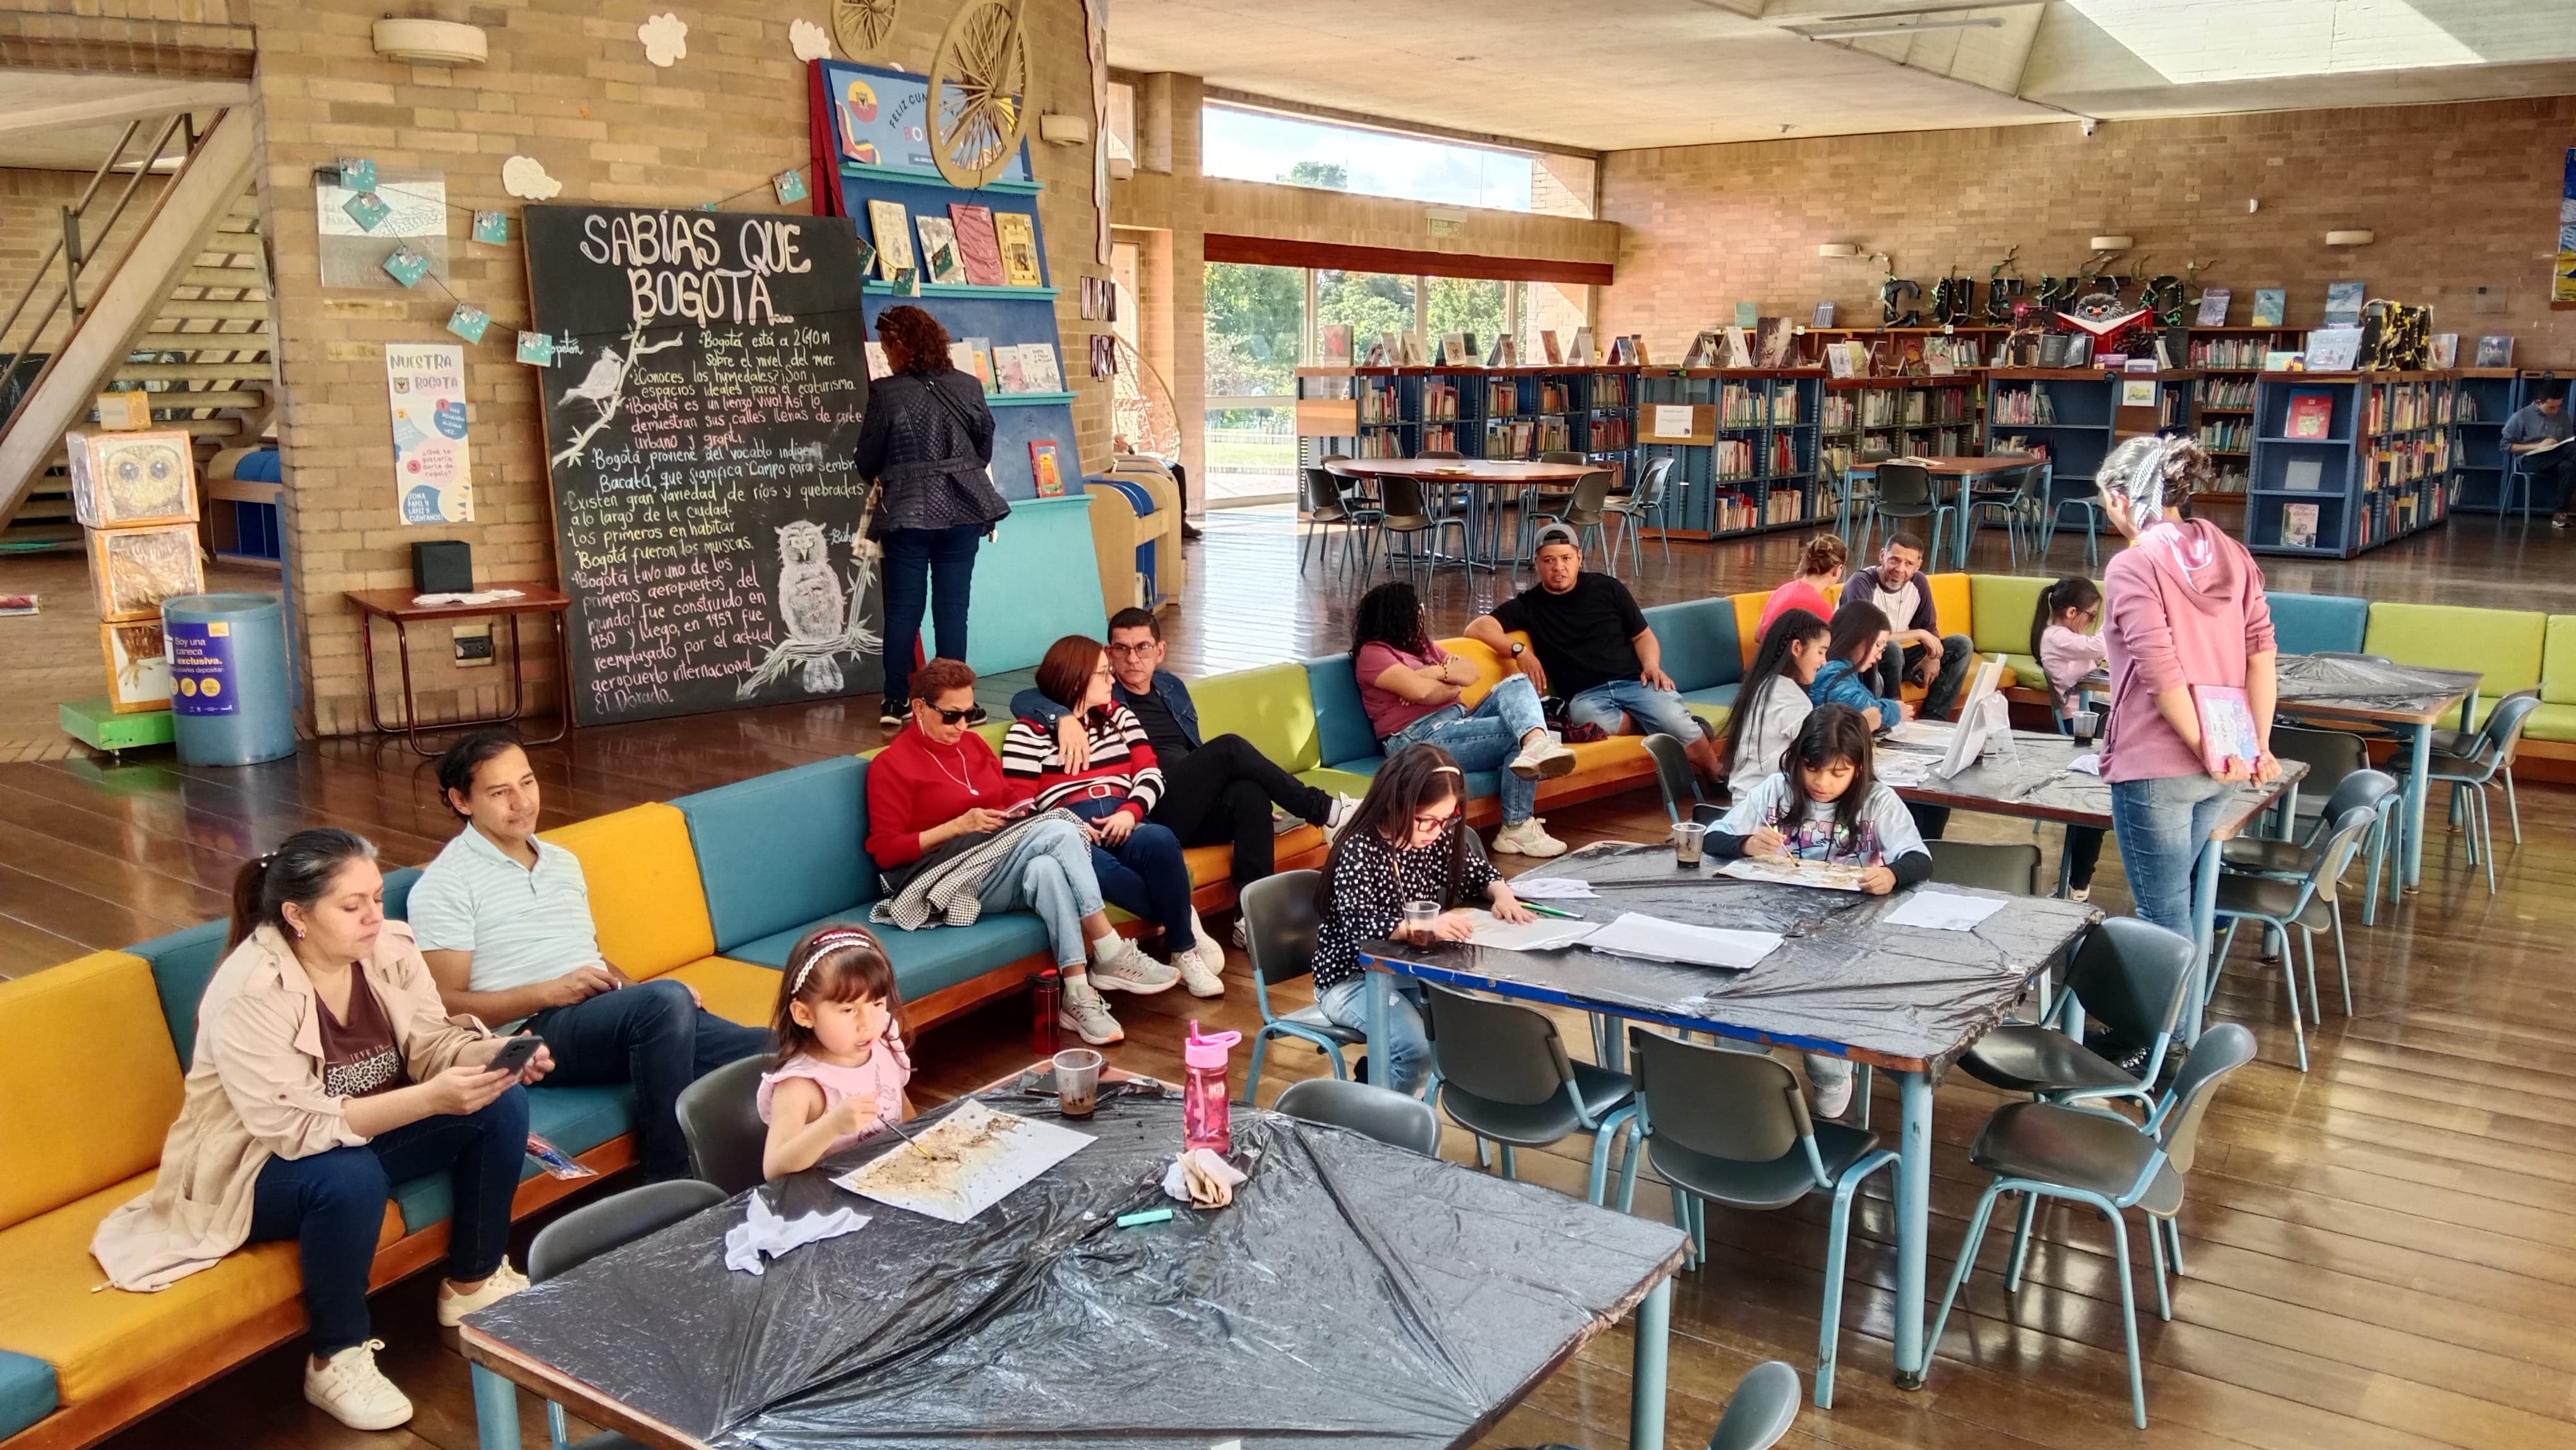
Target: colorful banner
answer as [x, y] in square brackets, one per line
[2562, 284]
[202, 681]
[425, 385]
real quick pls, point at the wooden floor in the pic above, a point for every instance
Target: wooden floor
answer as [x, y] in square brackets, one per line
[2383, 1251]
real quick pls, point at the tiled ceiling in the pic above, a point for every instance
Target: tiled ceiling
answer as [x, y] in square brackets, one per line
[1618, 74]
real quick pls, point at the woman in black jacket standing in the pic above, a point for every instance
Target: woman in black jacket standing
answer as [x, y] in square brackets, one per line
[927, 440]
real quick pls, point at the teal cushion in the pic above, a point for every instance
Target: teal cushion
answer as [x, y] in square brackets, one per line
[782, 848]
[1699, 643]
[928, 960]
[182, 963]
[1480, 783]
[1722, 696]
[575, 1119]
[27, 1392]
[398, 884]
[1342, 730]
[2305, 624]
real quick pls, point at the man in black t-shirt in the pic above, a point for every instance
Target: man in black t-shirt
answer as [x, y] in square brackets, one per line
[1590, 646]
[1216, 791]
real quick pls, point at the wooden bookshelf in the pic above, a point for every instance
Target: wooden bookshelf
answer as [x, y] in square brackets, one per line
[1751, 465]
[2382, 470]
[2239, 350]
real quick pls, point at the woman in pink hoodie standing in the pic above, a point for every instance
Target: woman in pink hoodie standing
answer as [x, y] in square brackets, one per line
[2184, 608]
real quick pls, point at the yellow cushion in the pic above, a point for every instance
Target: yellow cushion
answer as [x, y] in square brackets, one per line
[1953, 604]
[1211, 864]
[1491, 668]
[1748, 621]
[1596, 758]
[646, 901]
[89, 1083]
[744, 992]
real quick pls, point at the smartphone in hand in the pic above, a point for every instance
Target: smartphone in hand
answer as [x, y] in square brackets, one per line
[516, 1053]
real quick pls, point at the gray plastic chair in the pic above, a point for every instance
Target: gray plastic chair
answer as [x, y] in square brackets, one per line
[2131, 976]
[1406, 514]
[1582, 510]
[2307, 903]
[1991, 865]
[2294, 859]
[1678, 781]
[2043, 1150]
[1633, 510]
[1382, 1113]
[2457, 742]
[1501, 1072]
[1728, 1126]
[2470, 772]
[1763, 1407]
[721, 1121]
[1906, 491]
[2012, 493]
[593, 1229]
[1279, 924]
[1328, 508]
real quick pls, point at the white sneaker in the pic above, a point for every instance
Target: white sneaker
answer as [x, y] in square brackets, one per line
[1122, 968]
[505, 1281]
[1343, 808]
[1834, 1099]
[1080, 1010]
[1241, 936]
[1544, 761]
[1529, 838]
[1202, 968]
[2079, 893]
[350, 1389]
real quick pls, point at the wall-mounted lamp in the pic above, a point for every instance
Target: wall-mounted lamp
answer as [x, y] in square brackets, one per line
[2113, 243]
[430, 42]
[1837, 249]
[1064, 130]
[2347, 239]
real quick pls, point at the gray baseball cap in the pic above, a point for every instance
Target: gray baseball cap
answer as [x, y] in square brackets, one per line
[1558, 534]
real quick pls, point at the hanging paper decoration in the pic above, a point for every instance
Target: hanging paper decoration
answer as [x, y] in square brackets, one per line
[407, 266]
[537, 349]
[366, 209]
[469, 321]
[492, 228]
[357, 173]
[666, 39]
[790, 186]
[525, 177]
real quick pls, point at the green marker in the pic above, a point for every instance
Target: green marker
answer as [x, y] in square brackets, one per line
[1549, 911]
[1150, 1215]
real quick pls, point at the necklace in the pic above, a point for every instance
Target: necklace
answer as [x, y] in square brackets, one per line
[965, 782]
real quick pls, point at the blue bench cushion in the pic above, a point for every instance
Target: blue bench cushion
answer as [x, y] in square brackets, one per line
[1480, 783]
[1699, 644]
[398, 884]
[2304, 624]
[1342, 730]
[182, 963]
[1714, 703]
[575, 1119]
[781, 848]
[928, 960]
[27, 1392]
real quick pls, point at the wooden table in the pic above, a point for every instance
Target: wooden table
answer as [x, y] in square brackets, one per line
[1488, 477]
[1842, 985]
[1419, 1283]
[1964, 469]
[397, 605]
[2311, 688]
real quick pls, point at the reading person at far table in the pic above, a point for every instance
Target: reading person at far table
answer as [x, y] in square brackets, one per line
[2536, 431]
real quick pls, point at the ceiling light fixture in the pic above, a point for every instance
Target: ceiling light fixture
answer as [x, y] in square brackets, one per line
[1837, 249]
[2348, 239]
[430, 42]
[2114, 243]
[1856, 32]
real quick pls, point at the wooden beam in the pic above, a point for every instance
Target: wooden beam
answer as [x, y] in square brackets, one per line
[147, 104]
[1403, 261]
[146, 58]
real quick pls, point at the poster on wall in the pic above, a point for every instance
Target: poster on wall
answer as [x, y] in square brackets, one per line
[425, 390]
[409, 209]
[877, 120]
[2562, 283]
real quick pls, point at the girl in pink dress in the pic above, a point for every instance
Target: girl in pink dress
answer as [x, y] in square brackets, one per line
[841, 1059]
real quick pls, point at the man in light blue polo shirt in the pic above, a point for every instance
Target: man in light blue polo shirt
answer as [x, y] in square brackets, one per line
[503, 919]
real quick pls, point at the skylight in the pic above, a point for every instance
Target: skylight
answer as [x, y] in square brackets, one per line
[2236, 40]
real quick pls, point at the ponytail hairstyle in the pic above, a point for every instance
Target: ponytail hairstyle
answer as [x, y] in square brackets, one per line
[838, 963]
[1417, 778]
[2072, 592]
[298, 872]
[1831, 733]
[1825, 554]
[1794, 626]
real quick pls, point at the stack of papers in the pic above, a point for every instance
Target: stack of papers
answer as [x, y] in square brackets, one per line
[1943, 911]
[1818, 874]
[1543, 935]
[1552, 888]
[1657, 940]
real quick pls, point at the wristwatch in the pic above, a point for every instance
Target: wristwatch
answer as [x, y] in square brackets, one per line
[1519, 649]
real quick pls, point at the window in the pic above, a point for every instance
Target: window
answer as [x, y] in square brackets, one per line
[1251, 145]
[1371, 302]
[1469, 305]
[1256, 326]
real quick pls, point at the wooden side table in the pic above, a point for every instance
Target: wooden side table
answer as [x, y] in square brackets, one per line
[397, 606]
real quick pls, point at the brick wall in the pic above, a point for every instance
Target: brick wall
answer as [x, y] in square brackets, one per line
[2460, 196]
[31, 222]
[568, 84]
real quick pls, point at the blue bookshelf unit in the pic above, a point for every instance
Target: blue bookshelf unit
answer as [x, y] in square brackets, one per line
[2483, 399]
[1753, 470]
[1496, 413]
[2381, 471]
[2075, 417]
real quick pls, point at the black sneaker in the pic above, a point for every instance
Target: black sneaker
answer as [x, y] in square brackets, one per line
[892, 714]
[976, 716]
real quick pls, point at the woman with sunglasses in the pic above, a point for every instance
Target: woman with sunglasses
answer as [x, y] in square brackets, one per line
[938, 791]
[1408, 841]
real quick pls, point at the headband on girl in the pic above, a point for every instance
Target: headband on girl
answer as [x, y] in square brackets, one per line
[1447, 770]
[824, 945]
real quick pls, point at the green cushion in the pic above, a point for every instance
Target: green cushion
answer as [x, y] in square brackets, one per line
[1350, 780]
[27, 1392]
[2306, 624]
[1713, 705]
[2025, 672]
[2502, 644]
[2000, 607]
[2558, 661]
[575, 1119]
[1269, 706]
[2551, 722]
[1698, 640]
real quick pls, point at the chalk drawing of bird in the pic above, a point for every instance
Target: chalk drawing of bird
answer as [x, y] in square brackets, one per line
[599, 385]
[810, 599]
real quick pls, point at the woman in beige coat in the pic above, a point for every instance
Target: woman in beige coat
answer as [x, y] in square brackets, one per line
[325, 1070]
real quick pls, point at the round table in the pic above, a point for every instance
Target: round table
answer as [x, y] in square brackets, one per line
[1490, 476]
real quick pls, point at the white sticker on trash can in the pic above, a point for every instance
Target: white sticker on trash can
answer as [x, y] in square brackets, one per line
[202, 679]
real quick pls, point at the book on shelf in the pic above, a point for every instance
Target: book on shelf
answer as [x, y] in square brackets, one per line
[1019, 239]
[2052, 349]
[1506, 352]
[1009, 371]
[1623, 351]
[940, 261]
[2213, 307]
[1704, 350]
[1549, 345]
[2277, 361]
[1381, 353]
[1040, 362]
[978, 246]
[2495, 351]
[1333, 341]
[2303, 475]
[1739, 348]
[1824, 315]
[2334, 349]
[2270, 305]
[1458, 349]
[1637, 350]
[1409, 350]
[1581, 354]
[1502, 397]
[2299, 525]
[1047, 467]
[2311, 414]
[892, 226]
[2343, 304]
[1771, 342]
[2445, 350]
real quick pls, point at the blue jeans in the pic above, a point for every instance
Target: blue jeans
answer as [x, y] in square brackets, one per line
[1652, 711]
[332, 1203]
[1485, 738]
[1408, 1049]
[938, 564]
[1146, 876]
[2162, 825]
[654, 1035]
[1049, 871]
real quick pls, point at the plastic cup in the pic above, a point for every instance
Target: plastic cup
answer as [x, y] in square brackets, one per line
[1689, 838]
[1418, 916]
[1077, 1081]
[2088, 725]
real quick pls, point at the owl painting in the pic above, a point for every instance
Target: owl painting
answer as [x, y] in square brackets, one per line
[810, 600]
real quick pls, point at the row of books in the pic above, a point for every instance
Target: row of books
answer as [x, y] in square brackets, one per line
[2173, 407]
[1605, 434]
[2227, 392]
[2229, 352]
[1378, 403]
[972, 244]
[1740, 406]
[1439, 400]
[2400, 407]
[2404, 461]
[2029, 407]
[2227, 435]
[1731, 512]
[1524, 438]
[1027, 367]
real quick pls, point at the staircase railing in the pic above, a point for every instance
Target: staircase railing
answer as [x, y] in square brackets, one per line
[67, 247]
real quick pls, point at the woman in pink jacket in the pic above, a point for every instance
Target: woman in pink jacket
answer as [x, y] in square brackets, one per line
[2184, 609]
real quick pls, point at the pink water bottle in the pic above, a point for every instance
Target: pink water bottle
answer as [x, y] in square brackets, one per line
[1206, 1119]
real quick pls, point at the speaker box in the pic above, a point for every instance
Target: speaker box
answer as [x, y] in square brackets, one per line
[442, 566]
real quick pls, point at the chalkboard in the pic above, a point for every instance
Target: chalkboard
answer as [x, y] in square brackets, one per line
[701, 412]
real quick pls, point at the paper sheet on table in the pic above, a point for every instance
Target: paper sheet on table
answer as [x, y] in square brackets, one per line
[1794, 873]
[1658, 940]
[1942, 911]
[1552, 888]
[1922, 732]
[1898, 776]
[1542, 935]
[763, 1232]
[2086, 764]
[977, 1158]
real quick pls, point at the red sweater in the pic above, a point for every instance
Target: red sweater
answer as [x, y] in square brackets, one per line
[914, 785]
[1796, 594]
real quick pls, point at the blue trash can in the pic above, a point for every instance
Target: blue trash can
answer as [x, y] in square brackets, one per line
[230, 703]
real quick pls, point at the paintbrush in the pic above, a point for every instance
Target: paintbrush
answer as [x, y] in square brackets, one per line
[916, 1144]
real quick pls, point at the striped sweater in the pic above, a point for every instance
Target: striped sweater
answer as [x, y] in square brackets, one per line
[1122, 764]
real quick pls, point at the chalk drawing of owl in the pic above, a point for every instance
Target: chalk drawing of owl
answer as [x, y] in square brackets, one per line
[810, 599]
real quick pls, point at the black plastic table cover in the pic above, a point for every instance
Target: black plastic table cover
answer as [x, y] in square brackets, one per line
[1352, 1290]
[2370, 684]
[2032, 779]
[1843, 983]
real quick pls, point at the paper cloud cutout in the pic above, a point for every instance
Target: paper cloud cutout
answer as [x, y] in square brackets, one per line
[665, 39]
[525, 176]
[809, 40]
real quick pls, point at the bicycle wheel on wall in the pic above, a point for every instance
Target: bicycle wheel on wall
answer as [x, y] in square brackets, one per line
[861, 26]
[979, 87]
